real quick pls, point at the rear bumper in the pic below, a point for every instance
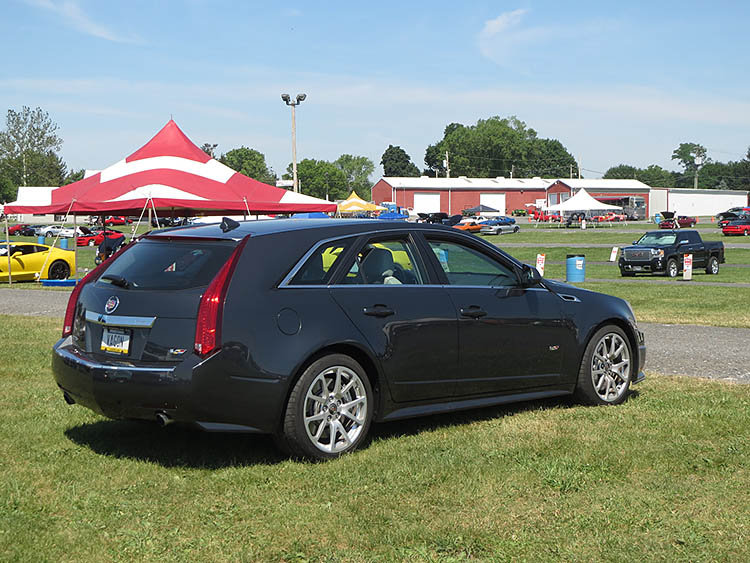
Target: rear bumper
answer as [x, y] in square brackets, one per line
[194, 391]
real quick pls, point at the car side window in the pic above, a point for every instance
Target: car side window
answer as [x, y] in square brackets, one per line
[318, 268]
[693, 238]
[384, 262]
[464, 265]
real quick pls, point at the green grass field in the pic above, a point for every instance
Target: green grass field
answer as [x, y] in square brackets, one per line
[662, 477]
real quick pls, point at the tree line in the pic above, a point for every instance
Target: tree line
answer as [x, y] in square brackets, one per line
[493, 147]
[697, 167]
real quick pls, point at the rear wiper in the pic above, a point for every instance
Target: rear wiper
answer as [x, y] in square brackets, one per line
[117, 280]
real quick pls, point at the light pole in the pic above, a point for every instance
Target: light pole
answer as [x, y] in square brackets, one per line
[294, 103]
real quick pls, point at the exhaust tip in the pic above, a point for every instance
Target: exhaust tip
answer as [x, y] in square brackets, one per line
[163, 419]
[68, 399]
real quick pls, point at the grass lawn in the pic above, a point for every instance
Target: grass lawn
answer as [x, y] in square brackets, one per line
[595, 236]
[662, 477]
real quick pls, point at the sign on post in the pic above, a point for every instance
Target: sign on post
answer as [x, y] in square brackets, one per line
[687, 268]
[540, 263]
[613, 254]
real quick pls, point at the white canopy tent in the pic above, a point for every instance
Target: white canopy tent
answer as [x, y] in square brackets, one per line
[582, 201]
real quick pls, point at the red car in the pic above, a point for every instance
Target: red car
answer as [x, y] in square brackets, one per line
[117, 220]
[680, 221]
[609, 217]
[13, 230]
[737, 227]
[96, 236]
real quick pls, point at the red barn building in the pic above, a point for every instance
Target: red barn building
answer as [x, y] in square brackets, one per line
[452, 195]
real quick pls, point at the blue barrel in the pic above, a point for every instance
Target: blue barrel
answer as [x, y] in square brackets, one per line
[40, 239]
[64, 243]
[575, 268]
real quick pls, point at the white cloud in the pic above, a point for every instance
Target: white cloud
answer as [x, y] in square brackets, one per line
[72, 14]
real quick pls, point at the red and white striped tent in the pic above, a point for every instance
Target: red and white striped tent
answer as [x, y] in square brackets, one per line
[171, 174]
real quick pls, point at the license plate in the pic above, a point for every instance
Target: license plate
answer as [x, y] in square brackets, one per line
[115, 340]
[637, 268]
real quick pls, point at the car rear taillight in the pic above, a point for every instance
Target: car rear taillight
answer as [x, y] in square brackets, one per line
[211, 308]
[92, 276]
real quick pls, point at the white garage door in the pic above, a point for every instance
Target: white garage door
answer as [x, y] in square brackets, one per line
[426, 203]
[496, 201]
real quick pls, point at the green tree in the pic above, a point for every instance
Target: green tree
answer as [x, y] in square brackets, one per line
[397, 163]
[42, 169]
[209, 149]
[357, 170]
[74, 176]
[320, 178]
[250, 163]
[621, 172]
[499, 147]
[655, 176]
[686, 154]
[30, 136]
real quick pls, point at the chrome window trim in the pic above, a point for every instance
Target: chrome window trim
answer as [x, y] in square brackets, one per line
[118, 320]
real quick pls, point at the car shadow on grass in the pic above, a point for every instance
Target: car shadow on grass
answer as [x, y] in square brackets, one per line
[176, 445]
[184, 446]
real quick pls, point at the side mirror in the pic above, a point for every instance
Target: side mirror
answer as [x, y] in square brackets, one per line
[530, 276]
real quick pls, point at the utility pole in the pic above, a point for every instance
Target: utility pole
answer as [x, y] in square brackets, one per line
[294, 103]
[698, 162]
[571, 171]
[512, 170]
[447, 165]
[579, 168]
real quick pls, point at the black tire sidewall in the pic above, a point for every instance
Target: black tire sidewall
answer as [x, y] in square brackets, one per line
[669, 268]
[585, 391]
[54, 265]
[709, 266]
[294, 436]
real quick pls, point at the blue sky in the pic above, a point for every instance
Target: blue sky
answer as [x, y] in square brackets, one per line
[615, 82]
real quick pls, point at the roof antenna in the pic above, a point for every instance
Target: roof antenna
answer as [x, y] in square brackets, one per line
[228, 224]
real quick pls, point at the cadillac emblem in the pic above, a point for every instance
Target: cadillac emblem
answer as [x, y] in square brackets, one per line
[111, 304]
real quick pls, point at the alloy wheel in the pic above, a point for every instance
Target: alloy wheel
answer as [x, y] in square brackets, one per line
[335, 409]
[610, 367]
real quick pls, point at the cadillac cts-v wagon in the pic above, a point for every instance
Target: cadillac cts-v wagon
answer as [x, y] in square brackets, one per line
[311, 330]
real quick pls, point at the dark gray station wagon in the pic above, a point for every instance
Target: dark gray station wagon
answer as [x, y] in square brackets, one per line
[310, 330]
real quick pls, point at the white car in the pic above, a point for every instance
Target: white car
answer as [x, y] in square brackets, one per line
[50, 231]
[68, 232]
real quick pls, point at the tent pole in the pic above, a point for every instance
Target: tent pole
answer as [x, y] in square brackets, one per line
[7, 245]
[75, 244]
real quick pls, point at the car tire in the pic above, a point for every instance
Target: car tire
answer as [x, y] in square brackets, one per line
[91, 243]
[713, 265]
[58, 270]
[329, 410]
[673, 268]
[516, 229]
[606, 368]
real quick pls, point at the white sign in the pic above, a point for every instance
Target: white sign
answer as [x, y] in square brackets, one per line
[687, 270]
[583, 223]
[540, 263]
[613, 254]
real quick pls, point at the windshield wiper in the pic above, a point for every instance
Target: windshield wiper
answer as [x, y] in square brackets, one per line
[117, 280]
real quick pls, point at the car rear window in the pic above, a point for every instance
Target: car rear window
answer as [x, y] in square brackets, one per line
[170, 264]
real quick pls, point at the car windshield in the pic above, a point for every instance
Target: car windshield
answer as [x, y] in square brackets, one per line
[152, 264]
[657, 239]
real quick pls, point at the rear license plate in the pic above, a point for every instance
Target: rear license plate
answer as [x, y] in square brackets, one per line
[115, 340]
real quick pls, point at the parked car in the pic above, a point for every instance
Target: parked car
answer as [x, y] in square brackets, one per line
[95, 237]
[345, 324]
[468, 226]
[664, 251]
[499, 228]
[49, 230]
[14, 230]
[737, 227]
[29, 261]
[498, 220]
[27, 231]
[733, 213]
[669, 221]
[117, 220]
[609, 217]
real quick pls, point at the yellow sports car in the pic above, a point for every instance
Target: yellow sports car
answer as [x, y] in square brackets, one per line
[31, 261]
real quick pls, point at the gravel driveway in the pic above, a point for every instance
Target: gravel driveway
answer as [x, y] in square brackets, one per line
[705, 351]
